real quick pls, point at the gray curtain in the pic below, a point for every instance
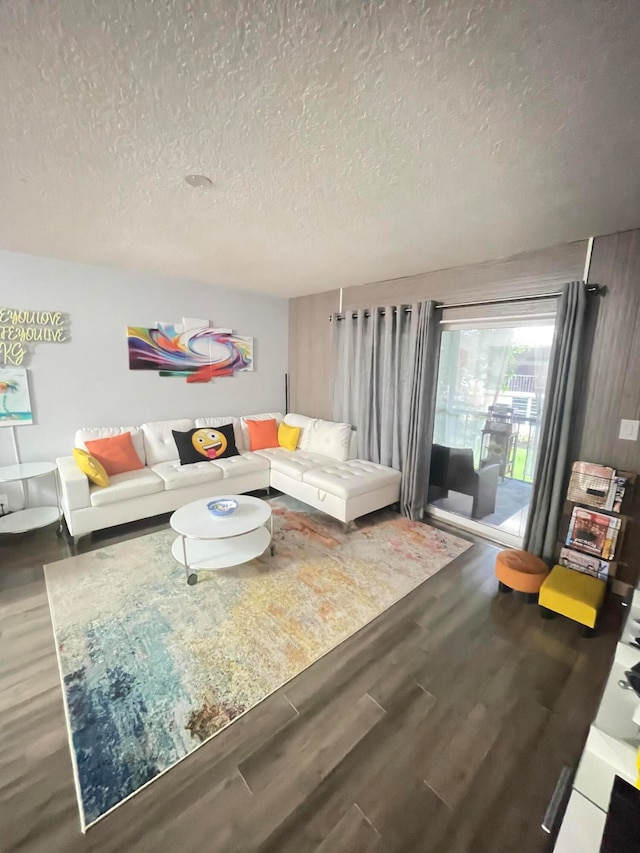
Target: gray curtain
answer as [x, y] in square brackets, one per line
[555, 436]
[386, 373]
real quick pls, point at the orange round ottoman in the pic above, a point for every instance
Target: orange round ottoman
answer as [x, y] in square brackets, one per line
[520, 571]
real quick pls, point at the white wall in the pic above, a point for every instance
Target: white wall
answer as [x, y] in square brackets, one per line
[87, 382]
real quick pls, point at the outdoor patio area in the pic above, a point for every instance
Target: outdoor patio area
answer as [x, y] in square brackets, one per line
[487, 425]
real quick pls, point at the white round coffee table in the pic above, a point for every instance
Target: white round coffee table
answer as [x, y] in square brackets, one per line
[207, 541]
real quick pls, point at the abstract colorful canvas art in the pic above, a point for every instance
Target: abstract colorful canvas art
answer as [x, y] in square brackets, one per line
[193, 349]
[15, 403]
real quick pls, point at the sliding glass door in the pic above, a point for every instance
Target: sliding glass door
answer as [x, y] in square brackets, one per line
[490, 395]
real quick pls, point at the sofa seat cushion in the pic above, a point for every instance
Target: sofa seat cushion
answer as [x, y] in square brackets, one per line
[293, 464]
[173, 475]
[350, 479]
[246, 463]
[123, 487]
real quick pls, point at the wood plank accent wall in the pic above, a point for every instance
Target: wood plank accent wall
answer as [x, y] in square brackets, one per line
[520, 275]
[613, 382]
[310, 350]
[310, 353]
[613, 386]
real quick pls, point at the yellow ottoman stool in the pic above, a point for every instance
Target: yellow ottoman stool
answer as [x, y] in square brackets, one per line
[521, 571]
[574, 595]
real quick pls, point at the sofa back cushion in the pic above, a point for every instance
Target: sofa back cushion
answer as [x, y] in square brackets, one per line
[92, 433]
[353, 446]
[205, 443]
[266, 416]
[90, 466]
[325, 437]
[263, 434]
[288, 436]
[221, 421]
[159, 444]
[303, 423]
[329, 439]
[117, 454]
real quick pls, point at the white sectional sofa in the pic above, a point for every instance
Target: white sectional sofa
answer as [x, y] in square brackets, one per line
[319, 472]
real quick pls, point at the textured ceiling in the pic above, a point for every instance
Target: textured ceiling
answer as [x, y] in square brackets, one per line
[347, 141]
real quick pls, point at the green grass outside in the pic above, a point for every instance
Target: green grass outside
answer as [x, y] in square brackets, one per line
[518, 465]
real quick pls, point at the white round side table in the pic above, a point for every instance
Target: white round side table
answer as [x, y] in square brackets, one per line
[30, 518]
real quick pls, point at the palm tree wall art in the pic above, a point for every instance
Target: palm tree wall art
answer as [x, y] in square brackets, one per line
[15, 403]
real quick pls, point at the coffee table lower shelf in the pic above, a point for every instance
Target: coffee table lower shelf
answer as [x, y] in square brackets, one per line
[212, 554]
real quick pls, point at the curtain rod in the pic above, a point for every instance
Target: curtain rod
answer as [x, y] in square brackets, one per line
[590, 288]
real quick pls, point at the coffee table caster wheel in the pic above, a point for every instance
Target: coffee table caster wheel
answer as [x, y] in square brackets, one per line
[192, 580]
[273, 550]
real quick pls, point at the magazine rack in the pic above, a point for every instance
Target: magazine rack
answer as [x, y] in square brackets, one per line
[591, 495]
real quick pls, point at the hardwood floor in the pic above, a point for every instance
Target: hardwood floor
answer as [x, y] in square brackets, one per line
[441, 727]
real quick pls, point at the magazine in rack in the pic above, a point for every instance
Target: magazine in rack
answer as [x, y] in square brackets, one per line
[621, 487]
[593, 533]
[593, 485]
[597, 486]
[585, 563]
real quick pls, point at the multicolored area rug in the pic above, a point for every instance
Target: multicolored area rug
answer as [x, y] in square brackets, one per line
[152, 668]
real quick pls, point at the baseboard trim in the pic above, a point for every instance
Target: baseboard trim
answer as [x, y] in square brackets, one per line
[468, 525]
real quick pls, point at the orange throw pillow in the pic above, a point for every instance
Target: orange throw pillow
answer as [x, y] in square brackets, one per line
[116, 454]
[262, 434]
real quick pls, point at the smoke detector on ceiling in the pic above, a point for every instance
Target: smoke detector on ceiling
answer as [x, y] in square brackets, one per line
[198, 181]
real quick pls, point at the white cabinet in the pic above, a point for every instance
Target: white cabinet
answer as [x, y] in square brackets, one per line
[611, 749]
[631, 628]
[602, 760]
[614, 738]
[582, 827]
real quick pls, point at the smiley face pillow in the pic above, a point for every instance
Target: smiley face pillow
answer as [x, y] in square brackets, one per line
[205, 443]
